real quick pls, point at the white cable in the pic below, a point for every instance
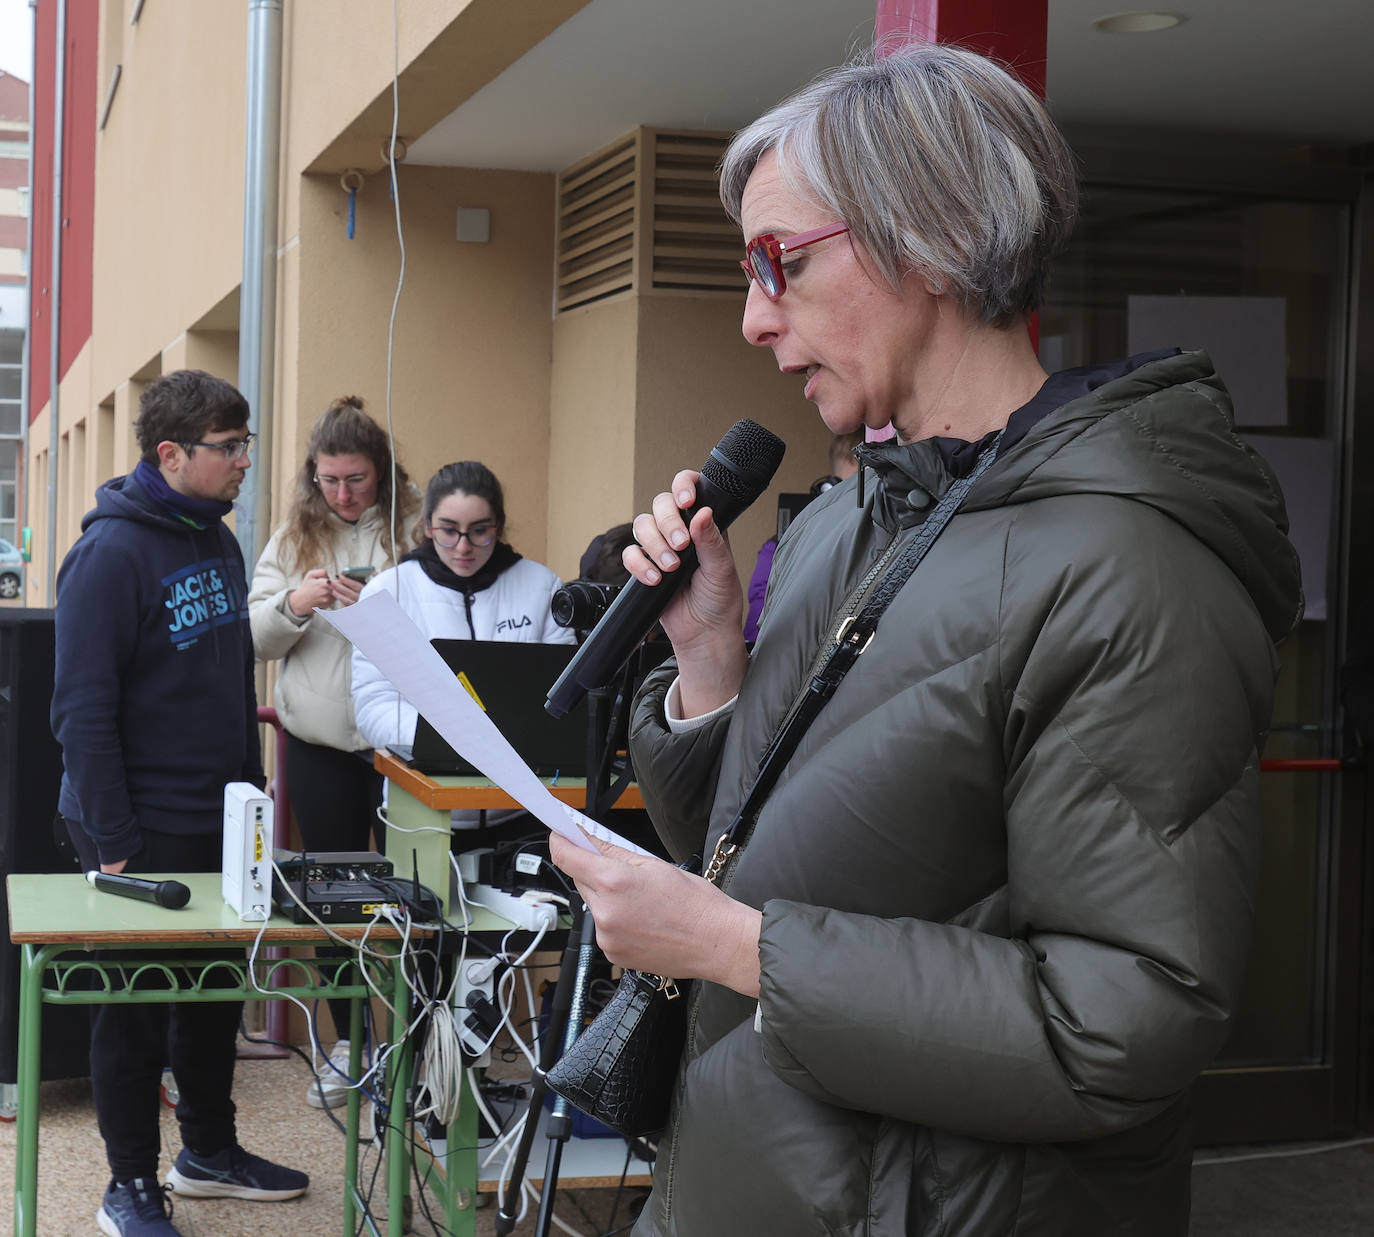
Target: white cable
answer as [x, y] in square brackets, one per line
[462, 893]
[503, 1002]
[257, 987]
[400, 283]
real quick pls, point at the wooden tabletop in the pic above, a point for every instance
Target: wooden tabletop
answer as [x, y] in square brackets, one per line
[62, 908]
[477, 793]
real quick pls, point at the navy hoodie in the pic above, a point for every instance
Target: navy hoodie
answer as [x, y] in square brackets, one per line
[153, 698]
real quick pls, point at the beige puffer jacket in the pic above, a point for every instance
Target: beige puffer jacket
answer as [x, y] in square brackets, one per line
[312, 694]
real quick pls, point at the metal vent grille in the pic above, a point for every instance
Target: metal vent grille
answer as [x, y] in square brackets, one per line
[597, 201]
[695, 245]
[644, 214]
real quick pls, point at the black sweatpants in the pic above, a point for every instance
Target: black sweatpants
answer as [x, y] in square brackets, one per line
[334, 800]
[130, 1044]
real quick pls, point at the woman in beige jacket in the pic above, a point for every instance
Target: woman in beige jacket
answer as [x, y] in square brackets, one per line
[343, 527]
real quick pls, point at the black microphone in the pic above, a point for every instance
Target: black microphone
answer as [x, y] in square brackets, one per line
[171, 894]
[736, 472]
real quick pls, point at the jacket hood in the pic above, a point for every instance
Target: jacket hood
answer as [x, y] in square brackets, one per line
[1162, 434]
[124, 499]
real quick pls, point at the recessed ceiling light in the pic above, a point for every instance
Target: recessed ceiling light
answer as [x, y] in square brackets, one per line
[1137, 23]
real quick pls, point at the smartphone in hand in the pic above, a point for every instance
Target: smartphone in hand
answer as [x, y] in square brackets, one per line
[361, 574]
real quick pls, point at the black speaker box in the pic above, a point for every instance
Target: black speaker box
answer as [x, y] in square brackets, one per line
[30, 776]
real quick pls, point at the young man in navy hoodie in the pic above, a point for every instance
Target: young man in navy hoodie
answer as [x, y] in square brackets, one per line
[155, 709]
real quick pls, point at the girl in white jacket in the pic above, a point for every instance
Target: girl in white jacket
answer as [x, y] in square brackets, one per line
[463, 581]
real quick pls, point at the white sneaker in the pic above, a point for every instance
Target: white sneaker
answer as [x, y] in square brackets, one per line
[330, 1090]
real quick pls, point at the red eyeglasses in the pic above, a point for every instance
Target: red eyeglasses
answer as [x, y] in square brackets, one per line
[763, 256]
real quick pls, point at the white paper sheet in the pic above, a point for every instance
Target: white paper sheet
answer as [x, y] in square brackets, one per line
[387, 636]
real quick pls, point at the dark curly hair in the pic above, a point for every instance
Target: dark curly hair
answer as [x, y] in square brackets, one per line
[184, 406]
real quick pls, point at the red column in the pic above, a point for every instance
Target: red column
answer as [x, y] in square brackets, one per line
[1012, 31]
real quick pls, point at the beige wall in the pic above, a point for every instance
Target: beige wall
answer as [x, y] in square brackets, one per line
[592, 426]
[470, 373]
[644, 385]
[696, 377]
[169, 183]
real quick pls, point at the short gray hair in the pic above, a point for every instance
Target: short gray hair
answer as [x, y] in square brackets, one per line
[940, 162]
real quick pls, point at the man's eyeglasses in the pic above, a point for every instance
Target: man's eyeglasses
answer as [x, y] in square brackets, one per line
[479, 535]
[764, 254]
[233, 448]
[352, 483]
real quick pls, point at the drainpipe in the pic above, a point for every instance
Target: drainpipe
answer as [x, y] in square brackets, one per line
[258, 291]
[55, 302]
[21, 506]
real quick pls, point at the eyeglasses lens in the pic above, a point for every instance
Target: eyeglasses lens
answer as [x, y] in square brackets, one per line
[764, 270]
[479, 536]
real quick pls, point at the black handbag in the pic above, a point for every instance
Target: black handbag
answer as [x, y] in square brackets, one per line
[621, 1068]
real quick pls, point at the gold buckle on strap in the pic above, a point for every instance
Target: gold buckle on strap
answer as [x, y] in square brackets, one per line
[718, 860]
[666, 986]
[843, 634]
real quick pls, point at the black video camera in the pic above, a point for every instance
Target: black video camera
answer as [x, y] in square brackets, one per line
[581, 604]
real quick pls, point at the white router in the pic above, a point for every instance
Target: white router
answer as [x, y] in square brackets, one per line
[247, 881]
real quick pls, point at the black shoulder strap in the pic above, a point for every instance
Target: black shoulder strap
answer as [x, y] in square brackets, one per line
[853, 635]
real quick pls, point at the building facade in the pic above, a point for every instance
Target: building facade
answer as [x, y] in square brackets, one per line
[547, 283]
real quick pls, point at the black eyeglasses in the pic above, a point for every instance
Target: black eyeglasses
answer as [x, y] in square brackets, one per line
[233, 448]
[479, 535]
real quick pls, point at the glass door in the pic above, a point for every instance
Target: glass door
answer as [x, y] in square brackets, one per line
[1262, 280]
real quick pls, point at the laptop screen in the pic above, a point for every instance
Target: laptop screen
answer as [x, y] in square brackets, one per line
[510, 680]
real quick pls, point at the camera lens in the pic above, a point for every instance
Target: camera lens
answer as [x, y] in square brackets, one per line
[582, 603]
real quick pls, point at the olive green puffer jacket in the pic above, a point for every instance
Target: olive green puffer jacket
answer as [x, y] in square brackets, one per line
[1007, 879]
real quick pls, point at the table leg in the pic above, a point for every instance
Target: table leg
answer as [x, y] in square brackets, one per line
[398, 1085]
[33, 962]
[418, 838]
[460, 1168]
[355, 1058]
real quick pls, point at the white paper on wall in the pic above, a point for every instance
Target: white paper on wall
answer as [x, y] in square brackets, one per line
[1244, 336]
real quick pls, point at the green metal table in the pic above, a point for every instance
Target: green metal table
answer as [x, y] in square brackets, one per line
[54, 915]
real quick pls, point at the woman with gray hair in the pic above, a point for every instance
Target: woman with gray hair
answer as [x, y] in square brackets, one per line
[992, 919]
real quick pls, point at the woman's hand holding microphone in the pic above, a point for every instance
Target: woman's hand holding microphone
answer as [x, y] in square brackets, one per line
[705, 621]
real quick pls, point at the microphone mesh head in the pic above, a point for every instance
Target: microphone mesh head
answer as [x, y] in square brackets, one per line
[743, 462]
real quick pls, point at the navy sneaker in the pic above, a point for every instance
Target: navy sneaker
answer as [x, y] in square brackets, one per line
[138, 1208]
[234, 1173]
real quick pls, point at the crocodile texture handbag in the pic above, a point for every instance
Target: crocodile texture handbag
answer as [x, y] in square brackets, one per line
[620, 1069]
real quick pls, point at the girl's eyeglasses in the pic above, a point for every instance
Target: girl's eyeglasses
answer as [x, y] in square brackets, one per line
[763, 256]
[352, 483]
[479, 535]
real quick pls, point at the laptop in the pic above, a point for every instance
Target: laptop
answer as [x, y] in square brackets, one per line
[510, 680]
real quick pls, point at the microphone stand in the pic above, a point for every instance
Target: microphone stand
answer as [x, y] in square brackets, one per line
[608, 722]
[564, 1023]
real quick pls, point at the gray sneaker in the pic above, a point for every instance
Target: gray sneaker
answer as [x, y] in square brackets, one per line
[234, 1173]
[139, 1208]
